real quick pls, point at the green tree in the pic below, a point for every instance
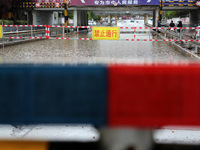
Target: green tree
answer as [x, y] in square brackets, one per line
[71, 14]
[92, 15]
[172, 14]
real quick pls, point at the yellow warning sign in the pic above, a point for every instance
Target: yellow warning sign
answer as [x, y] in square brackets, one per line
[23, 145]
[105, 33]
[1, 32]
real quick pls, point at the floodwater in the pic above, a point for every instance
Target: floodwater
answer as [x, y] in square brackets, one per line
[77, 51]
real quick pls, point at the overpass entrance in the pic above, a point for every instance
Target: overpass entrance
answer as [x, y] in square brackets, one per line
[50, 11]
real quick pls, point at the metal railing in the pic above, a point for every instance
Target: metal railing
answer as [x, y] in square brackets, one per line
[51, 32]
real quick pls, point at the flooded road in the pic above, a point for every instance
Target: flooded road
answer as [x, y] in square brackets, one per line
[77, 51]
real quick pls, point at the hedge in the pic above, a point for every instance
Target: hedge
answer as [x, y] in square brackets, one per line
[21, 22]
[6, 22]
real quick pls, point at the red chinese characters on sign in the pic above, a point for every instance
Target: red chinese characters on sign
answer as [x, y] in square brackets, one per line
[105, 33]
[96, 33]
[114, 33]
[108, 33]
[102, 33]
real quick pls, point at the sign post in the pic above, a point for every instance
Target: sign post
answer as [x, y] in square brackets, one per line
[1, 36]
[1, 32]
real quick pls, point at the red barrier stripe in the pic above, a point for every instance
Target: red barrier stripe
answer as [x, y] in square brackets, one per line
[153, 95]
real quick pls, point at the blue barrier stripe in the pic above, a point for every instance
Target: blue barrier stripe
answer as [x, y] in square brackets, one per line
[53, 94]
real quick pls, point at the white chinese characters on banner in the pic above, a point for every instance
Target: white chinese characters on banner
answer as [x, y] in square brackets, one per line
[135, 2]
[119, 2]
[51, 1]
[96, 2]
[107, 2]
[130, 2]
[101, 2]
[124, 2]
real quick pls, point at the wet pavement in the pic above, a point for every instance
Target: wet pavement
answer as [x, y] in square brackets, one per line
[77, 51]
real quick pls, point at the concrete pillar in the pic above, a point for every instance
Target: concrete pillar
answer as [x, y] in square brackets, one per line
[75, 17]
[194, 18]
[80, 18]
[146, 18]
[84, 18]
[55, 18]
[109, 22]
[125, 139]
[155, 17]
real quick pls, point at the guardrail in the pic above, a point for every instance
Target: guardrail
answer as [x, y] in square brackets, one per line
[52, 28]
[114, 95]
[145, 96]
